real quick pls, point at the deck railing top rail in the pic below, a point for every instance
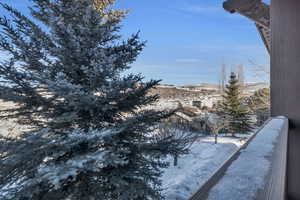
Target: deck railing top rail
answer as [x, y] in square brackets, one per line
[257, 171]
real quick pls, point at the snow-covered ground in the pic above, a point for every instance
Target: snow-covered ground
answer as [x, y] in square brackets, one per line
[194, 169]
[9, 127]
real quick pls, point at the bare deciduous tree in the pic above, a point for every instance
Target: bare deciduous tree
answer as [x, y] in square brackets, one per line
[240, 75]
[216, 123]
[222, 79]
[260, 71]
[177, 132]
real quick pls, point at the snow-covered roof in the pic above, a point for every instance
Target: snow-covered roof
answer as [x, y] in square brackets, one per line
[183, 116]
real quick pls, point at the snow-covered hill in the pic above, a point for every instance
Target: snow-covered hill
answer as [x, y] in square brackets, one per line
[207, 93]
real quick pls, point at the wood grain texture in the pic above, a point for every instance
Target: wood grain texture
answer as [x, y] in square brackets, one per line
[255, 10]
[275, 188]
[285, 81]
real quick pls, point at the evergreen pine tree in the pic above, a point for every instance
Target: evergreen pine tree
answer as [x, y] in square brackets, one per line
[89, 137]
[237, 114]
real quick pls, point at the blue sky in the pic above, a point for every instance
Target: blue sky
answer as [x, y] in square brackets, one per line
[188, 40]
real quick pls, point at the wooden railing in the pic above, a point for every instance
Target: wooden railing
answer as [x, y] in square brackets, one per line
[275, 188]
[275, 177]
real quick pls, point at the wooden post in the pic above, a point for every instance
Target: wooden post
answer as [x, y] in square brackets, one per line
[285, 81]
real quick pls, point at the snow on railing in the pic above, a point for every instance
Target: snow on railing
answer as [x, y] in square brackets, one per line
[257, 171]
[275, 187]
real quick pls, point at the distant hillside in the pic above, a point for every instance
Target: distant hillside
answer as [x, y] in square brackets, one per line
[203, 89]
[175, 92]
[211, 86]
[252, 87]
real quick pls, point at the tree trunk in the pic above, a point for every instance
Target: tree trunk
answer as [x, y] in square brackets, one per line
[175, 160]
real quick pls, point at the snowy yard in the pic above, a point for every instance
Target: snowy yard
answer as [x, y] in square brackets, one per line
[194, 169]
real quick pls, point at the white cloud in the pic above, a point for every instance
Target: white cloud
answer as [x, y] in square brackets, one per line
[188, 60]
[198, 9]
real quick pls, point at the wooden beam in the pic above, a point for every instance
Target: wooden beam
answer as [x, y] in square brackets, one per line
[256, 11]
[265, 35]
[285, 81]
